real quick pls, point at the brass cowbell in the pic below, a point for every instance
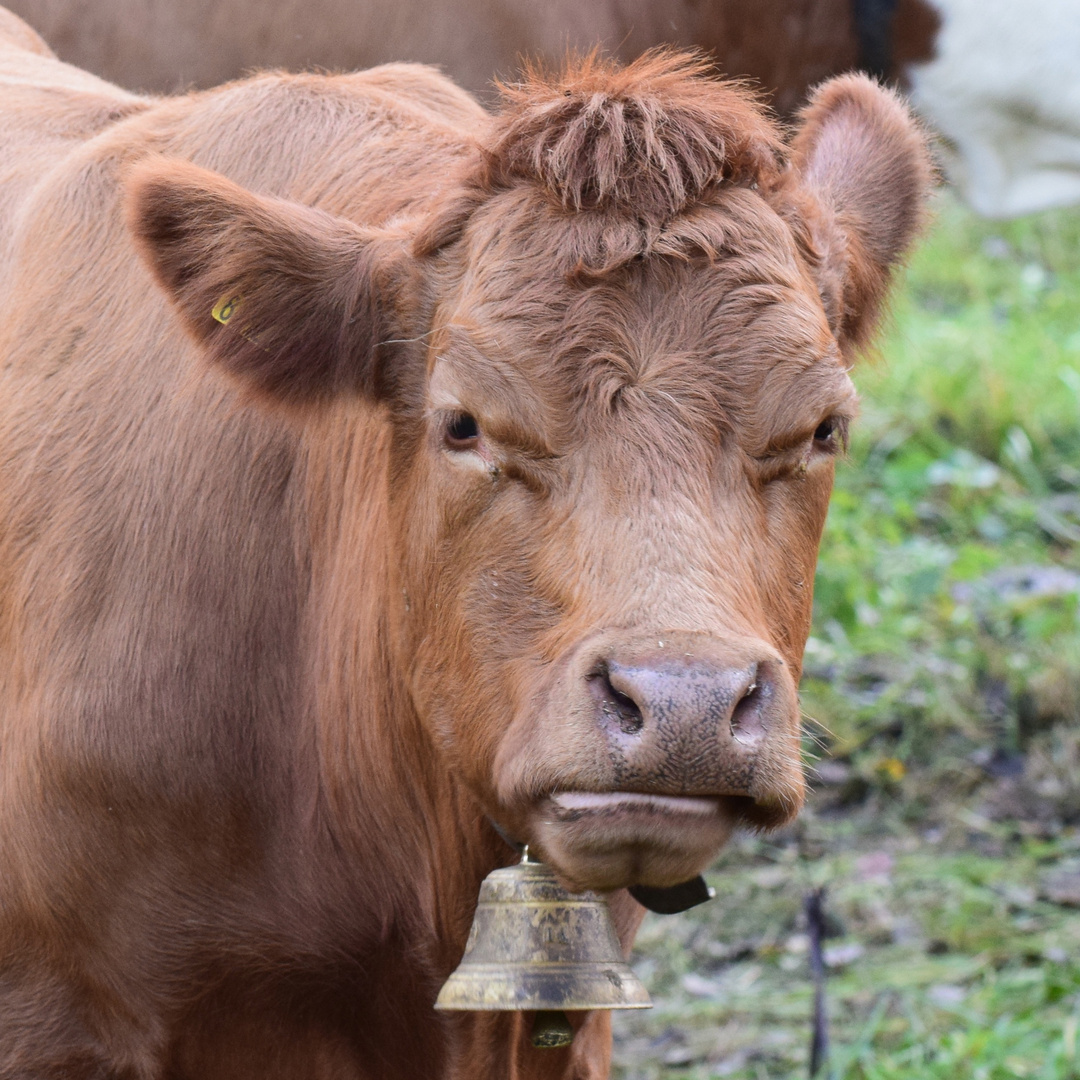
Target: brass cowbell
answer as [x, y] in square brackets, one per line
[535, 946]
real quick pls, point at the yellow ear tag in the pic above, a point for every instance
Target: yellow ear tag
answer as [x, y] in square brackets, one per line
[226, 308]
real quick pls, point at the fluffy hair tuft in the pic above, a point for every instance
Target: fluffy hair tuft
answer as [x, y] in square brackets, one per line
[646, 139]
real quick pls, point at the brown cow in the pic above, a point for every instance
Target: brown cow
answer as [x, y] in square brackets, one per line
[376, 470]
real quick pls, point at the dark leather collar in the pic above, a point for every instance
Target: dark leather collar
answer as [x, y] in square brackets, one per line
[674, 898]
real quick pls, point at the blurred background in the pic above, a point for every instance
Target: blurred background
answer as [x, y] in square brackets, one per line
[942, 682]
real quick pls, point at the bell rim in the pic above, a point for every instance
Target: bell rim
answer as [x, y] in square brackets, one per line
[482, 990]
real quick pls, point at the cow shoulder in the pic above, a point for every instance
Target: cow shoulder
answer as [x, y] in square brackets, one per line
[13, 31]
[421, 87]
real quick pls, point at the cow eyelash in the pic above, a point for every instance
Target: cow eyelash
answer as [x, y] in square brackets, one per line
[461, 432]
[829, 439]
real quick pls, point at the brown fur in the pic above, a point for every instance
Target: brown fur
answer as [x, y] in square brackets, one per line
[648, 139]
[274, 649]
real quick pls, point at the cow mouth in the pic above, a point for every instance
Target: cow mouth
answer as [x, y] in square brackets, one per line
[611, 840]
[575, 805]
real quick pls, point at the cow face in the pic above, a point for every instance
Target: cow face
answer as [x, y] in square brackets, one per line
[632, 471]
[615, 399]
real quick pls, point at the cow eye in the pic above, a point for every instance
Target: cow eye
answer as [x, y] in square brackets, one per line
[462, 432]
[830, 434]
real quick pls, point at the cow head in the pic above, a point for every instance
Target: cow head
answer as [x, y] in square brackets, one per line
[613, 365]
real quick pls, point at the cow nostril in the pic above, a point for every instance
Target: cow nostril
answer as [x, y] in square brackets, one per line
[747, 723]
[615, 706]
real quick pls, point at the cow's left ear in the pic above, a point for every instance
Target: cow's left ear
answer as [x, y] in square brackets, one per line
[292, 301]
[866, 163]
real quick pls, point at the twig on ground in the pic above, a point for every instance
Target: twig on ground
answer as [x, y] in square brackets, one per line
[814, 905]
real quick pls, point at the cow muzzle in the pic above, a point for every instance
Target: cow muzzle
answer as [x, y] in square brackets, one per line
[677, 739]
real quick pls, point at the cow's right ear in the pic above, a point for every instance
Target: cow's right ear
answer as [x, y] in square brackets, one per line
[292, 301]
[866, 162]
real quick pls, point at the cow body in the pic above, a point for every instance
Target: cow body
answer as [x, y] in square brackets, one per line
[201, 770]
[497, 501]
[1003, 87]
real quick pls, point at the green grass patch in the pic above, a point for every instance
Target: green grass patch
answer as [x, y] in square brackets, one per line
[946, 603]
[945, 961]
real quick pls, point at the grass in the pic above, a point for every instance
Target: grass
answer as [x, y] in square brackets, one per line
[942, 690]
[950, 571]
[945, 963]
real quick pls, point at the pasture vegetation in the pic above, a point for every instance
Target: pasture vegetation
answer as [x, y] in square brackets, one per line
[942, 693]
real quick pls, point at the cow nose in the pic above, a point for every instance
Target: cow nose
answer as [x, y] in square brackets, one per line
[695, 695]
[692, 724]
